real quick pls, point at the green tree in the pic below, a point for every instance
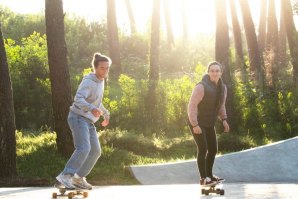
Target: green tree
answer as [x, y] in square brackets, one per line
[282, 39]
[7, 118]
[170, 35]
[291, 36]
[154, 63]
[25, 23]
[184, 22]
[59, 74]
[262, 25]
[133, 27]
[255, 57]
[238, 41]
[272, 46]
[30, 77]
[222, 49]
[113, 39]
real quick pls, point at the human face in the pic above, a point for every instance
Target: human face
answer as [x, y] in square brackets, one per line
[102, 70]
[214, 73]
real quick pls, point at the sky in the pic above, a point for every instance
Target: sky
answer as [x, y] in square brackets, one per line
[200, 13]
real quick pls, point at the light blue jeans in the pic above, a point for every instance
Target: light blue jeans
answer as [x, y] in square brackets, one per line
[86, 143]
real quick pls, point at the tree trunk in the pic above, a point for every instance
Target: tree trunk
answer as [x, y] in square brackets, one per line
[170, 36]
[272, 46]
[255, 58]
[131, 17]
[282, 48]
[155, 39]
[262, 25]
[222, 38]
[154, 64]
[59, 74]
[222, 55]
[113, 40]
[292, 37]
[238, 41]
[7, 118]
[184, 21]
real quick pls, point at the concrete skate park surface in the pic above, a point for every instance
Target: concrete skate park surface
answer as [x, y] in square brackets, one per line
[181, 191]
[277, 162]
[264, 172]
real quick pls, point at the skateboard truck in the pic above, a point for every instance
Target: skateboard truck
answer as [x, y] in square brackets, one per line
[212, 189]
[71, 193]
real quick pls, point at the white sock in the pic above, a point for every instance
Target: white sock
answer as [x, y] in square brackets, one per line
[76, 176]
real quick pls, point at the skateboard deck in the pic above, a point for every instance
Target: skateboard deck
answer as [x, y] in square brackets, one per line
[217, 189]
[70, 193]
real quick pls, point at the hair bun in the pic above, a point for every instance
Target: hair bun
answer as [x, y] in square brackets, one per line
[97, 55]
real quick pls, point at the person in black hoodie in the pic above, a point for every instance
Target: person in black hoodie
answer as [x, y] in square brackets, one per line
[206, 104]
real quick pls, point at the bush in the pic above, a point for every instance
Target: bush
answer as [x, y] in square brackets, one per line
[136, 143]
[230, 142]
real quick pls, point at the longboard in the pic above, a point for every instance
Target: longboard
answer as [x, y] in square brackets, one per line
[213, 189]
[70, 193]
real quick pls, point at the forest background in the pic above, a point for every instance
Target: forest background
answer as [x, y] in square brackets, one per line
[262, 98]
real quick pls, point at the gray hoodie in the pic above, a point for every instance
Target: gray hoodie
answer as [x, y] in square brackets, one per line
[88, 97]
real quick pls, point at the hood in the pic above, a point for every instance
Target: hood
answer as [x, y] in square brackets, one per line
[92, 77]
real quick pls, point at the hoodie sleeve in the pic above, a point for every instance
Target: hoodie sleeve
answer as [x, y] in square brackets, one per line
[83, 92]
[106, 113]
[196, 97]
[222, 114]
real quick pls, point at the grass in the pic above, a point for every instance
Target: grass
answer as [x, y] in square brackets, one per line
[38, 161]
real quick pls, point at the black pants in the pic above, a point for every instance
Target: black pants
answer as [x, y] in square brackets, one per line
[206, 150]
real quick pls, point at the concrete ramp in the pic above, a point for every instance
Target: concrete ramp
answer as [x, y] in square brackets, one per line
[277, 162]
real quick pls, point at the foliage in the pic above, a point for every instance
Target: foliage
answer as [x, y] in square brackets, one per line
[268, 115]
[128, 109]
[18, 26]
[37, 157]
[287, 102]
[262, 116]
[30, 80]
[134, 52]
[295, 6]
[83, 40]
[229, 142]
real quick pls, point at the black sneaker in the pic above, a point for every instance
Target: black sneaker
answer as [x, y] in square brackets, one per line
[217, 179]
[205, 182]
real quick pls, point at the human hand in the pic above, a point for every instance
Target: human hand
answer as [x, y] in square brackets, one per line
[197, 129]
[226, 126]
[105, 122]
[96, 112]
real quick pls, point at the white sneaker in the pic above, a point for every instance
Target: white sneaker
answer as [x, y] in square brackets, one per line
[81, 183]
[66, 180]
[206, 182]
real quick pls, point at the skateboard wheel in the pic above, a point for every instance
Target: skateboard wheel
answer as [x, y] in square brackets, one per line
[202, 191]
[206, 192]
[62, 191]
[54, 195]
[222, 192]
[85, 194]
[70, 195]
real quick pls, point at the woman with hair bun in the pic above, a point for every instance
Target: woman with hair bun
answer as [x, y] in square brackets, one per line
[84, 112]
